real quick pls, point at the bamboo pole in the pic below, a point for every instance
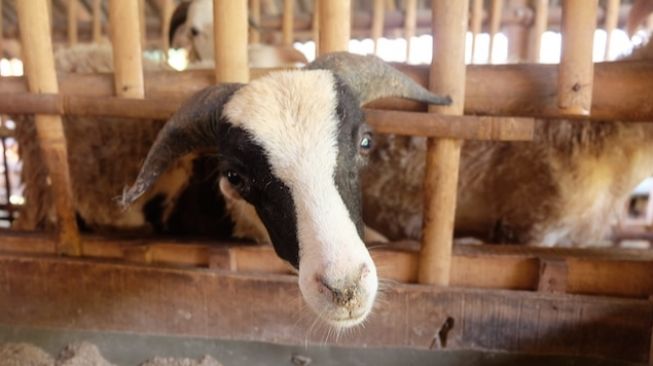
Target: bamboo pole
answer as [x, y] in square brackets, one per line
[410, 25]
[378, 15]
[72, 22]
[142, 21]
[517, 33]
[443, 156]
[475, 24]
[97, 21]
[230, 28]
[167, 8]
[315, 26]
[2, 46]
[541, 9]
[127, 59]
[335, 25]
[611, 20]
[255, 16]
[42, 78]
[288, 22]
[576, 66]
[495, 26]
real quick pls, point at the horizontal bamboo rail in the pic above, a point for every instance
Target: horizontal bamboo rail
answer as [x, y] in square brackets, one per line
[405, 123]
[614, 272]
[621, 89]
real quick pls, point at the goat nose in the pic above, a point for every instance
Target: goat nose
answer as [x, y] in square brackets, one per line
[345, 292]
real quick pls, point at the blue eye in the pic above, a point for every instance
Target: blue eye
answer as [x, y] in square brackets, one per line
[366, 143]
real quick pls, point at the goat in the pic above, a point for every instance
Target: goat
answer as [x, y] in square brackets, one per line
[191, 27]
[560, 189]
[295, 157]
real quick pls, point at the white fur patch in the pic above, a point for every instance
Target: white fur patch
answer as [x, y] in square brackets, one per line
[292, 115]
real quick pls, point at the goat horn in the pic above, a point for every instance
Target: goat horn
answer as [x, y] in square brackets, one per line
[192, 128]
[371, 78]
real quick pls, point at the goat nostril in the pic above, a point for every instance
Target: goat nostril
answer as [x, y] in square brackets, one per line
[194, 31]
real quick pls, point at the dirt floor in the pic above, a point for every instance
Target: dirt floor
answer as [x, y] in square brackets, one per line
[81, 354]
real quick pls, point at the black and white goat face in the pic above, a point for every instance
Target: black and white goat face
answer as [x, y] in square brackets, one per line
[292, 144]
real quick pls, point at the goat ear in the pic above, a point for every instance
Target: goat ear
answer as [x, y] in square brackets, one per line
[192, 128]
[370, 78]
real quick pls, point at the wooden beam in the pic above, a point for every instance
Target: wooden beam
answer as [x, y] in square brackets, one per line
[288, 22]
[255, 16]
[85, 295]
[476, 21]
[38, 61]
[230, 28]
[97, 21]
[410, 24]
[378, 17]
[335, 26]
[611, 19]
[127, 51]
[447, 77]
[72, 22]
[495, 25]
[576, 65]
[541, 9]
[621, 89]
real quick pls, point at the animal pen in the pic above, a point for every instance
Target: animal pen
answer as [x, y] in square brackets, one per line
[549, 302]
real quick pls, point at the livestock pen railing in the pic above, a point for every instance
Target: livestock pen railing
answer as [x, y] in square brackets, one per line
[553, 315]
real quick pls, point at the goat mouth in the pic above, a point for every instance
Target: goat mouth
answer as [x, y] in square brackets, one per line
[347, 322]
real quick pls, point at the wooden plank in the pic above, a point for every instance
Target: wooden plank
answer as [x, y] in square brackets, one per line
[447, 77]
[230, 41]
[84, 295]
[288, 27]
[541, 9]
[335, 26]
[127, 49]
[38, 59]
[611, 19]
[576, 66]
[496, 12]
[378, 17]
[410, 24]
[621, 89]
[476, 21]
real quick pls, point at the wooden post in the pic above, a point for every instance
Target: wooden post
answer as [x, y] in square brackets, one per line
[476, 23]
[410, 25]
[72, 22]
[443, 155]
[230, 29]
[495, 26]
[316, 25]
[517, 34]
[127, 53]
[288, 22]
[335, 25]
[541, 10]
[576, 67]
[378, 16]
[167, 8]
[97, 21]
[255, 15]
[611, 20]
[142, 21]
[41, 76]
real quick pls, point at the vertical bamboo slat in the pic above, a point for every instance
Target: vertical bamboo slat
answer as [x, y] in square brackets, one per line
[127, 53]
[576, 67]
[378, 16]
[410, 25]
[476, 23]
[541, 10]
[316, 25]
[142, 21]
[255, 16]
[335, 25]
[167, 7]
[611, 20]
[517, 33]
[495, 25]
[230, 30]
[72, 22]
[288, 22]
[2, 46]
[97, 21]
[443, 155]
[41, 76]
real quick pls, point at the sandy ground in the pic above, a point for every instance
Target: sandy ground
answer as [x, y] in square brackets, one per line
[81, 354]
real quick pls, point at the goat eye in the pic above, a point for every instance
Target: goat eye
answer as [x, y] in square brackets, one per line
[234, 178]
[366, 143]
